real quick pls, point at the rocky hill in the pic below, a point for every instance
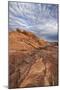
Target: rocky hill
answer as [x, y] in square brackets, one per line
[32, 61]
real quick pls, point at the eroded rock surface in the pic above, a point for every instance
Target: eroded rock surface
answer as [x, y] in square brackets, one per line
[32, 61]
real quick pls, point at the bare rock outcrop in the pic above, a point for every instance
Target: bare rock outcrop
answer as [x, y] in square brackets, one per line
[32, 61]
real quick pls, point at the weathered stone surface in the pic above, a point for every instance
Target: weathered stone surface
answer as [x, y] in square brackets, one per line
[32, 61]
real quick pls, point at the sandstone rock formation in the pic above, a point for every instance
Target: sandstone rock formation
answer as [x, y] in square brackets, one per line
[33, 62]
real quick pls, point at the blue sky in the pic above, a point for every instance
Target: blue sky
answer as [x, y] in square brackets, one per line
[42, 19]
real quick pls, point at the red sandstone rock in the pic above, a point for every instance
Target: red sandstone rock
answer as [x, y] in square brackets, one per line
[32, 61]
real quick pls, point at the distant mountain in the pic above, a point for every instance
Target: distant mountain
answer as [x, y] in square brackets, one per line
[32, 61]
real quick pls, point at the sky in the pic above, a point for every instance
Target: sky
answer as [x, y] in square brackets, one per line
[41, 19]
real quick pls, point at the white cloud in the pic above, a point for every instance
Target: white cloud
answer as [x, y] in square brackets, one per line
[40, 18]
